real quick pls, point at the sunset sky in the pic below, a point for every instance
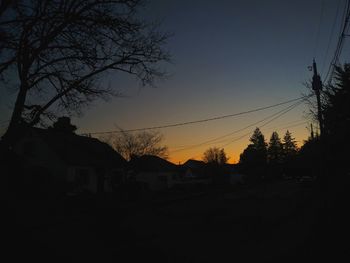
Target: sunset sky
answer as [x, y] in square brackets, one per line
[228, 57]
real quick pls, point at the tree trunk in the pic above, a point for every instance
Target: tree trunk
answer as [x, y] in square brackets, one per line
[16, 117]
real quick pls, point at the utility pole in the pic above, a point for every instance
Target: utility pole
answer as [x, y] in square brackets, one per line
[317, 87]
[322, 160]
[312, 132]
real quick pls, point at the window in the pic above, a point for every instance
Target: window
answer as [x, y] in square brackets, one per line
[117, 177]
[82, 176]
[162, 178]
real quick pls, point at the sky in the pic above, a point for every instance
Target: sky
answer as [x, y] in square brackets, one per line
[227, 57]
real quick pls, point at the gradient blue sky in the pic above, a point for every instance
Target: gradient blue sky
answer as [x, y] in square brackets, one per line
[228, 56]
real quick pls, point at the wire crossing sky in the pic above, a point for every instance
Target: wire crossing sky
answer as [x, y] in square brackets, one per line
[227, 56]
[202, 120]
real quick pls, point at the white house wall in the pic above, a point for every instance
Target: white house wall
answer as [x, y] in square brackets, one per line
[152, 179]
[41, 155]
[72, 176]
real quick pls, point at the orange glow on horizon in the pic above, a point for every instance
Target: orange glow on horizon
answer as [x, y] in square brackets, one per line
[233, 150]
[197, 154]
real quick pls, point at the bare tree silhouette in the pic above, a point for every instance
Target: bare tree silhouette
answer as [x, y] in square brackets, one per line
[137, 144]
[215, 156]
[55, 53]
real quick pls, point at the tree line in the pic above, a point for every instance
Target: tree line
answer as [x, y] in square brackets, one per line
[274, 152]
[259, 158]
[325, 157]
[55, 54]
[275, 159]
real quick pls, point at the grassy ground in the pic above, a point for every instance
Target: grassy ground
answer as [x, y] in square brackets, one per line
[276, 222]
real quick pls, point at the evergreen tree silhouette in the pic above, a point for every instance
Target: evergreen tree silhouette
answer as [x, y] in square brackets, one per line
[253, 160]
[290, 148]
[275, 149]
[336, 110]
[336, 113]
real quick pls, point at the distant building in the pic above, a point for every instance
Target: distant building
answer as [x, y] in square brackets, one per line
[155, 172]
[232, 175]
[78, 163]
[201, 172]
[195, 169]
[194, 172]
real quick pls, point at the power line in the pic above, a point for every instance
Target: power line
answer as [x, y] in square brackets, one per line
[231, 133]
[330, 37]
[335, 56]
[228, 134]
[279, 115]
[318, 29]
[274, 116]
[200, 121]
[284, 112]
[243, 136]
[246, 134]
[339, 47]
[295, 123]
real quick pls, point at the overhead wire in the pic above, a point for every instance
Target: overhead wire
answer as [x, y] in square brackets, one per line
[318, 29]
[273, 119]
[215, 140]
[330, 37]
[335, 60]
[198, 121]
[295, 123]
[246, 134]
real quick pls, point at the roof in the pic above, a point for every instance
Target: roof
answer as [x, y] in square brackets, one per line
[197, 168]
[80, 150]
[194, 164]
[151, 163]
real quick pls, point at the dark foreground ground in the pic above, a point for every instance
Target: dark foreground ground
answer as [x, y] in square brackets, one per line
[274, 222]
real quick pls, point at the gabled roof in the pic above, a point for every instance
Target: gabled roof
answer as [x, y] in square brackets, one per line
[151, 163]
[80, 150]
[194, 164]
[197, 168]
